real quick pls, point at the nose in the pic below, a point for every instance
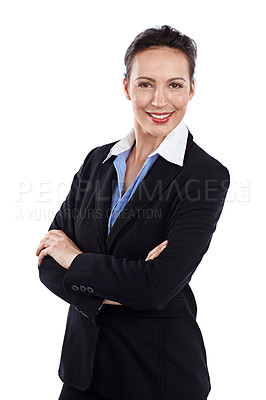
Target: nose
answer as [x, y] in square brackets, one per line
[159, 99]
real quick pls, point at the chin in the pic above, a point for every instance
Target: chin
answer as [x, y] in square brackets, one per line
[161, 129]
[157, 130]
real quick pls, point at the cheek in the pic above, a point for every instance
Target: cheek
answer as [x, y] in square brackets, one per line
[140, 100]
[179, 100]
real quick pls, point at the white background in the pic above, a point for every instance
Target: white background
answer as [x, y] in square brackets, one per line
[61, 95]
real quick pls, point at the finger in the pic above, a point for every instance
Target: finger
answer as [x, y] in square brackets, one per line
[106, 301]
[154, 255]
[45, 242]
[43, 253]
[40, 247]
[41, 244]
[57, 232]
[159, 248]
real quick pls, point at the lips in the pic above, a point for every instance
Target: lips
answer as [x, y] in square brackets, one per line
[160, 118]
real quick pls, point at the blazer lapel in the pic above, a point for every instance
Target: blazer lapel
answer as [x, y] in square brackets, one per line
[161, 174]
[106, 182]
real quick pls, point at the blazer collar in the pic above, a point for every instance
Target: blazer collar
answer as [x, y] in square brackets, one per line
[158, 177]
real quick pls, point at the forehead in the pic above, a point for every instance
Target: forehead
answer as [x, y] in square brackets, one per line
[160, 62]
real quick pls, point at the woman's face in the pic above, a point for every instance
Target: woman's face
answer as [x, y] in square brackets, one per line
[160, 89]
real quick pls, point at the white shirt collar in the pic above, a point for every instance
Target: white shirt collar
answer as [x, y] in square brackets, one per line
[172, 147]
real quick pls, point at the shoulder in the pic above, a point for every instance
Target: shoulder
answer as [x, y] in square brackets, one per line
[198, 161]
[95, 157]
[99, 153]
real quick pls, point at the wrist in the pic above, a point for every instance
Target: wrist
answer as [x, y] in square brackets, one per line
[71, 258]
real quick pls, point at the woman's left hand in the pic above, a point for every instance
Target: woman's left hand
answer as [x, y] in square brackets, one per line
[57, 245]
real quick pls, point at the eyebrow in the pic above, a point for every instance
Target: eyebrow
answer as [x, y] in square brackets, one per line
[153, 80]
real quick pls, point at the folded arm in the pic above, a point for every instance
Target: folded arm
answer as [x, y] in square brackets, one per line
[57, 252]
[141, 284]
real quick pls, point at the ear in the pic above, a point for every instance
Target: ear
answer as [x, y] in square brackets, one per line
[192, 90]
[126, 91]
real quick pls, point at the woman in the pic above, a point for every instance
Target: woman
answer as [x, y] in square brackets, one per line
[136, 223]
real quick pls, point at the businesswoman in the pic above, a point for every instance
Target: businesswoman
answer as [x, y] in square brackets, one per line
[135, 225]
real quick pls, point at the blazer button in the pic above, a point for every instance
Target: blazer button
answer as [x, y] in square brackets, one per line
[90, 289]
[75, 288]
[83, 288]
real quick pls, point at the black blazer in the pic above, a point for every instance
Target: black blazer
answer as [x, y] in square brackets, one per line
[150, 347]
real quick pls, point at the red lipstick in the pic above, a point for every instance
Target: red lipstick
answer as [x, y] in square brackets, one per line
[160, 118]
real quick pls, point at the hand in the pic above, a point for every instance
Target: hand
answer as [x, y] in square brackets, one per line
[152, 254]
[157, 250]
[114, 303]
[57, 245]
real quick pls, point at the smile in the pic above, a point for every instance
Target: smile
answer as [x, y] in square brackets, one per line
[160, 118]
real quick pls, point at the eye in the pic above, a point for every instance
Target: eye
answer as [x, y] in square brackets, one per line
[176, 85]
[144, 85]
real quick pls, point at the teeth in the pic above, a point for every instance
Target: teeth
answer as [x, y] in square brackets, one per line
[160, 116]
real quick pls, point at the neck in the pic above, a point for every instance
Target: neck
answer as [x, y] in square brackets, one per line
[144, 145]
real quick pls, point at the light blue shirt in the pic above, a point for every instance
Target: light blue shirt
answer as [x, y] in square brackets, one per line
[171, 149]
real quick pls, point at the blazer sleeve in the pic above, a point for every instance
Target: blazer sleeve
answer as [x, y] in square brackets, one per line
[52, 273]
[151, 284]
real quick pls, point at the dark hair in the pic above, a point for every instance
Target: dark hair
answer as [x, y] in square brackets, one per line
[163, 36]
